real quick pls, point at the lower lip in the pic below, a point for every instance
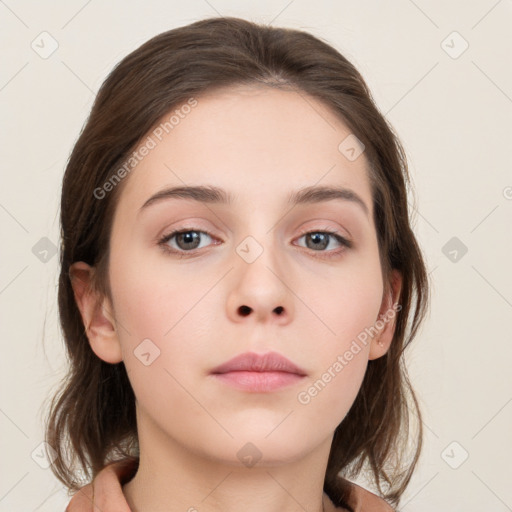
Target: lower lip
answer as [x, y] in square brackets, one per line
[259, 382]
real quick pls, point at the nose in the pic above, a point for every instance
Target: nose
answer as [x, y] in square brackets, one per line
[260, 290]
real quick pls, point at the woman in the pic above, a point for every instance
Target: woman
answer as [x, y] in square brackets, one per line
[236, 243]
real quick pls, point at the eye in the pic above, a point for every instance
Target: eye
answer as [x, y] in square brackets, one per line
[320, 240]
[186, 240]
[189, 240]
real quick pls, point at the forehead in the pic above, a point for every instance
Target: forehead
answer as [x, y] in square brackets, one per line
[255, 141]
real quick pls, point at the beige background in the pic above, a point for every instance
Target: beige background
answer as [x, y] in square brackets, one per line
[453, 112]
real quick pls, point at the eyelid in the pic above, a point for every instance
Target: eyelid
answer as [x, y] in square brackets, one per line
[184, 225]
[323, 229]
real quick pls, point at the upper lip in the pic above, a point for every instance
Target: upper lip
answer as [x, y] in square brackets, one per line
[253, 362]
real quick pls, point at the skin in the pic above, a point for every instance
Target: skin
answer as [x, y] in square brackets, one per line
[259, 144]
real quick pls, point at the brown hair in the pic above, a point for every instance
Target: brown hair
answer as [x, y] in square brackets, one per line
[93, 415]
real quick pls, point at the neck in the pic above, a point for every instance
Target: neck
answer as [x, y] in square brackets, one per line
[172, 478]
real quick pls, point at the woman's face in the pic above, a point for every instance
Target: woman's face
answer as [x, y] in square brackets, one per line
[246, 278]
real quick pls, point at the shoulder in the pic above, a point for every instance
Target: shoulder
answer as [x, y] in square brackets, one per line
[366, 501]
[360, 500]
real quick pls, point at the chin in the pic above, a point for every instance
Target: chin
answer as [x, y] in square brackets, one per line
[257, 448]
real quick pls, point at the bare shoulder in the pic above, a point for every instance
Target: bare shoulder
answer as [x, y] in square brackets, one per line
[366, 501]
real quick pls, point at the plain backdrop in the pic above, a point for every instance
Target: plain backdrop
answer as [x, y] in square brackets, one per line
[441, 74]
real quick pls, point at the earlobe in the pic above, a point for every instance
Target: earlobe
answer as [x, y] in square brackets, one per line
[96, 314]
[386, 321]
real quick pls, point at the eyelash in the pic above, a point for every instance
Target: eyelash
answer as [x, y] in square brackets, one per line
[346, 244]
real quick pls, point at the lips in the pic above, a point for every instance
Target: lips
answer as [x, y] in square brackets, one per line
[253, 362]
[258, 373]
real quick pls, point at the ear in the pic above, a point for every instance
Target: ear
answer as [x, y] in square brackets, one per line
[96, 314]
[386, 321]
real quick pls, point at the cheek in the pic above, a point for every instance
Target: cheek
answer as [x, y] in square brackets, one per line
[161, 335]
[341, 335]
[149, 300]
[343, 303]
[340, 366]
[164, 320]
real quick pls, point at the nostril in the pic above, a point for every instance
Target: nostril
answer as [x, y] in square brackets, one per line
[279, 310]
[244, 310]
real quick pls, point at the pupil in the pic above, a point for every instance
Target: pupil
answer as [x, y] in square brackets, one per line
[319, 237]
[189, 237]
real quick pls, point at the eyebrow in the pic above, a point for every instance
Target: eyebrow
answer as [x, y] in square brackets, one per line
[214, 195]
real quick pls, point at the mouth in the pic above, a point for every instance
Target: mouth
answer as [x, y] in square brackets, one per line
[258, 373]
